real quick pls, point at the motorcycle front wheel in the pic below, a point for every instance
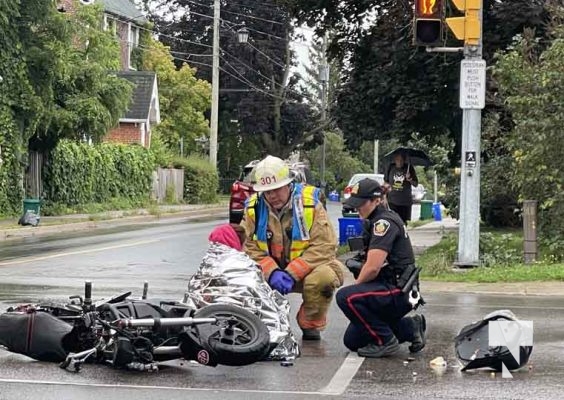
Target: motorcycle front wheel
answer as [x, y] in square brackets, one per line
[238, 337]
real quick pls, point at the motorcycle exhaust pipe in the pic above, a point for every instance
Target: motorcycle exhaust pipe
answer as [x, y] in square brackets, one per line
[162, 322]
[173, 351]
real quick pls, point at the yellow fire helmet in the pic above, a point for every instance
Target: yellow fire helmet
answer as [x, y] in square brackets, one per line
[271, 173]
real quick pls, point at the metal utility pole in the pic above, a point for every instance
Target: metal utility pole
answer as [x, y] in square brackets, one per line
[215, 85]
[472, 101]
[324, 78]
[428, 31]
[376, 153]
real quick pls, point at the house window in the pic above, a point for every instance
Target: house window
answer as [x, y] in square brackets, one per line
[110, 24]
[135, 36]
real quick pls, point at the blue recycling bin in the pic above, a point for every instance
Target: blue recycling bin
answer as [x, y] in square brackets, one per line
[437, 213]
[349, 227]
[334, 196]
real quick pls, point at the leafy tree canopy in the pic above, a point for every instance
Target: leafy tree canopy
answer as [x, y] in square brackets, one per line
[70, 59]
[259, 100]
[183, 98]
[392, 89]
[531, 83]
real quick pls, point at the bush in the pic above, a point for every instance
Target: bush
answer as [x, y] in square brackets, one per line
[11, 189]
[201, 181]
[501, 249]
[78, 173]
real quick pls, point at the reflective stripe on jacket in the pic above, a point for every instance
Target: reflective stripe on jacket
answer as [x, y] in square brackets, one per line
[286, 249]
[304, 200]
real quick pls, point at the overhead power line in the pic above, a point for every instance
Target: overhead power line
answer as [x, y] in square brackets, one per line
[239, 14]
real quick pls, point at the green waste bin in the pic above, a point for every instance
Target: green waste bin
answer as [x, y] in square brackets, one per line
[33, 206]
[426, 209]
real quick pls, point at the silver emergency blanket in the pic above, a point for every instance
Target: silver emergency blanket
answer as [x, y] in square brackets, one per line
[228, 276]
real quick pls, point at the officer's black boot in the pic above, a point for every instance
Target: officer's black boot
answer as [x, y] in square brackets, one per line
[376, 351]
[419, 328]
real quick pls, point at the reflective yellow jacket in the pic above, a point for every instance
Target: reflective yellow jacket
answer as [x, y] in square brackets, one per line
[297, 257]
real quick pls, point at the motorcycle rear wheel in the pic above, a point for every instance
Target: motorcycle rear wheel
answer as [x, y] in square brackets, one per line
[239, 337]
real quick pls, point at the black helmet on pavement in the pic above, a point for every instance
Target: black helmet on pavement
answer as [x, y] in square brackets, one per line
[473, 350]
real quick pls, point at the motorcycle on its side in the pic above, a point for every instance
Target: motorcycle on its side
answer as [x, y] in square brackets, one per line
[134, 334]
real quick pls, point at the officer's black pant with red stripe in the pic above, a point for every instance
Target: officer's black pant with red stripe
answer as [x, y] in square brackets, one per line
[377, 312]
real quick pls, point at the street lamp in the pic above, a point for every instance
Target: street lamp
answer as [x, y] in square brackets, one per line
[243, 35]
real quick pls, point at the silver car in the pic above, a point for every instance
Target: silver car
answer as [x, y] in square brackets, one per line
[351, 212]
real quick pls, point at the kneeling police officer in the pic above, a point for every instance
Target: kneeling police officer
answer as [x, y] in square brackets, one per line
[377, 303]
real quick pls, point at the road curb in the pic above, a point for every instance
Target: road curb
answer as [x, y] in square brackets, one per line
[29, 231]
[533, 288]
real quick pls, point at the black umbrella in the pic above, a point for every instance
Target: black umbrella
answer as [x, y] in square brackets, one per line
[413, 156]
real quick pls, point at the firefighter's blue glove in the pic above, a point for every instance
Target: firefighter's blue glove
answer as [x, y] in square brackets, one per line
[282, 281]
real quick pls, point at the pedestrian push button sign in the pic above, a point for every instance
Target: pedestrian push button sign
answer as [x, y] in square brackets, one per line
[473, 84]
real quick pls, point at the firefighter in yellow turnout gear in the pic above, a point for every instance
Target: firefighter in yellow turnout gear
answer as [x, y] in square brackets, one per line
[291, 237]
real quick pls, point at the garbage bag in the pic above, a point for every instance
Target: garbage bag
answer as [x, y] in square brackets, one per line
[29, 218]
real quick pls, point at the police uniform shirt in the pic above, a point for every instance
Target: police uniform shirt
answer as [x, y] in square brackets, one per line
[387, 232]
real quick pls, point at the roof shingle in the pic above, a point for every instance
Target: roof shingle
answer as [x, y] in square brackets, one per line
[124, 8]
[144, 82]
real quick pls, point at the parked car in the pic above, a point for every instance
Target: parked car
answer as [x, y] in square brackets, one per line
[418, 193]
[351, 212]
[242, 188]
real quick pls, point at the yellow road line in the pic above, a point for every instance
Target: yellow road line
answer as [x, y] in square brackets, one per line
[72, 253]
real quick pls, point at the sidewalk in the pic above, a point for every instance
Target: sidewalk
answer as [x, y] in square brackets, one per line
[430, 234]
[9, 228]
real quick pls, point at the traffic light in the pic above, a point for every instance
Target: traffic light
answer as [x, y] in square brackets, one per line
[428, 22]
[467, 28]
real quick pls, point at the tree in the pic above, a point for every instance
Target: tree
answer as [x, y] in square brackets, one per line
[312, 82]
[531, 85]
[340, 164]
[183, 98]
[392, 89]
[256, 88]
[55, 84]
[70, 59]
[17, 105]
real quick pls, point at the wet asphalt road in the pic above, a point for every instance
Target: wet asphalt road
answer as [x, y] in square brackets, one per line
[166, 255]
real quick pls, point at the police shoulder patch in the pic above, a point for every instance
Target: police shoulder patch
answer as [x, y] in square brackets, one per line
[381, 227]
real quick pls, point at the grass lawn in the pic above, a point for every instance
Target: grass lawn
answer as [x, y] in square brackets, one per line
[501, 254]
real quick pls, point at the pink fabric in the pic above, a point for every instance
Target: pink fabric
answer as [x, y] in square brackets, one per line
[225, 234]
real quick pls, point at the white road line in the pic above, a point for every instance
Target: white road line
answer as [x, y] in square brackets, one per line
[336, 386]
[344, 375]
[72, 253]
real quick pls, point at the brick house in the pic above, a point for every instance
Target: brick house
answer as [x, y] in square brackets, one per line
[125, 20]
[143, 113]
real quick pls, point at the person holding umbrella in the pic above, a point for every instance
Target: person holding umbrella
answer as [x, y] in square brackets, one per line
[399, 178]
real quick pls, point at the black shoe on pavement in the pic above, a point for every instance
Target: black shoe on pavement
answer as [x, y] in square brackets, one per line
[375, 351]
[419, 328]
[311, 334]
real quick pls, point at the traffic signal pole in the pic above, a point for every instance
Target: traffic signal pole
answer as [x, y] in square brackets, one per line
[472, 101]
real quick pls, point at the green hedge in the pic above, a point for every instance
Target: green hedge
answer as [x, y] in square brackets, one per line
[11, 189]
[78, 173]
[201, 181]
